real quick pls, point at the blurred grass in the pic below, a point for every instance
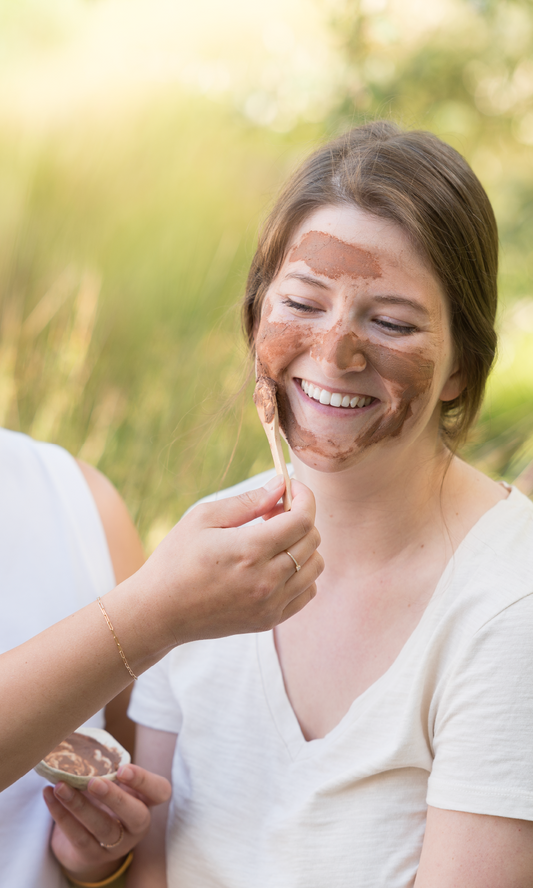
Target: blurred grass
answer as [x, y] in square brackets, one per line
[125, 237]
[124, 249]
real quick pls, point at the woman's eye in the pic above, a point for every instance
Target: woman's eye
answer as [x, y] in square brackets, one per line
[299, 306]
[406, 329]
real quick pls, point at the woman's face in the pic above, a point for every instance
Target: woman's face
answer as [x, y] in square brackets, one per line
[355, 332]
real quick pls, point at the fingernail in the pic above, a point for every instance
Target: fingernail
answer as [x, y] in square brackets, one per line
[274, 482]
[64, 791]
[125, 773]
[98, 787]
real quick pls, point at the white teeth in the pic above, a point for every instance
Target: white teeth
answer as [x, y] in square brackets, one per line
[336, 399]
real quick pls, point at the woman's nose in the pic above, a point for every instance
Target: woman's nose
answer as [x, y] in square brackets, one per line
[344, 350]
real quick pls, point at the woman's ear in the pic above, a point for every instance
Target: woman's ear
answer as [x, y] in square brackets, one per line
[454, 385]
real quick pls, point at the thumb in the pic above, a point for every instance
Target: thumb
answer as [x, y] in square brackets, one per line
[237, 510]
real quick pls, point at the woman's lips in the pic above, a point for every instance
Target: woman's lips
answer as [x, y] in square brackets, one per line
[332, 401]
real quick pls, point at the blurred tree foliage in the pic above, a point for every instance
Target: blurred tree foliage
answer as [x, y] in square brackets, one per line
[464, 70]
[466, 75]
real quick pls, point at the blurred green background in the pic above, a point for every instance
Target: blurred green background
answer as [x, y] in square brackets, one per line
[141, 144]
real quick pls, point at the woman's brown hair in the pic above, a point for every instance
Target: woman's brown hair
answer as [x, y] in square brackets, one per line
[429, 190]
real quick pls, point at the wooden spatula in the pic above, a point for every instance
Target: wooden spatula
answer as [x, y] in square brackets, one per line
[267, 408]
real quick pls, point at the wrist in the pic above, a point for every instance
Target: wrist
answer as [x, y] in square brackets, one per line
[139, 623]
[99, 878]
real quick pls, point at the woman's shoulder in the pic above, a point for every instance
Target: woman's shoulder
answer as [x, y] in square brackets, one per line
[508, 530]
[19, 446]
[123, 541]
[506, 526]
[478, 506]
[38, 470]
[492, 569]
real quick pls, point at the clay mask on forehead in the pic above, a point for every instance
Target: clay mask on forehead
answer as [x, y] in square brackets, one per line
[329, 256]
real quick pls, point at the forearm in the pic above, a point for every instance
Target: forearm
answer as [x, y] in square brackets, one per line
[54, 682]
[209, 577]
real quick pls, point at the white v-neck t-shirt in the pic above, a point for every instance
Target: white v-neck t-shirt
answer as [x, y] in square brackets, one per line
[450, 724]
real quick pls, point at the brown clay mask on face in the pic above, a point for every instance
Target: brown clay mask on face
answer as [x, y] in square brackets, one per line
[273, 343]
[343, 350]
[331, 257]
[328, 256]
[410, 374]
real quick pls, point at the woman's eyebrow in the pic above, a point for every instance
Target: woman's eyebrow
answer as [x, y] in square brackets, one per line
[403, 300]
[307, 279]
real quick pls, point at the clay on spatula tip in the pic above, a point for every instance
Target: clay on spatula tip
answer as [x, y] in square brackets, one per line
[267, 407]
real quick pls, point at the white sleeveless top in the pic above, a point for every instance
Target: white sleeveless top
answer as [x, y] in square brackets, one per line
[54, 560]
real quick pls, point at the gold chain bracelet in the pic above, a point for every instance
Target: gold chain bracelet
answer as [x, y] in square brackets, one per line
[121, 652]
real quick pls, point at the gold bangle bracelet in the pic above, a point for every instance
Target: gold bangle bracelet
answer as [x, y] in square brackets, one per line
[111, 878]
[121, 652]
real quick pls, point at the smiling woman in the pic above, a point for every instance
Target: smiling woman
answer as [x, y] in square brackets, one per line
[428, 189]
[381, 315]
[381, 736]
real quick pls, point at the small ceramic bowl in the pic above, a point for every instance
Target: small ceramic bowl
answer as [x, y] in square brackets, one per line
[55, 775]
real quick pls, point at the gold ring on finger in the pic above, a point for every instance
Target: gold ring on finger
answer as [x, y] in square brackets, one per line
[118, 841]
[297, 566]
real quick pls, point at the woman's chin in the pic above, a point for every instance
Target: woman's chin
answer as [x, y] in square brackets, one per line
[328, 459]
[325, 438]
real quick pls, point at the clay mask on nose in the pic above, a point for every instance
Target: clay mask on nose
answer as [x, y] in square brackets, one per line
[344, 350]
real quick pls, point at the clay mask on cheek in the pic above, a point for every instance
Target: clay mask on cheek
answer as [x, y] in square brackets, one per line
[409, 373]
[276, 345]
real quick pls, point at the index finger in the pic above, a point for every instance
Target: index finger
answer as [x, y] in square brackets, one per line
[284, 530]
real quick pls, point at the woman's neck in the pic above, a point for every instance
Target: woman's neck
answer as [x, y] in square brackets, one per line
[383, 506]
[390, 506]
